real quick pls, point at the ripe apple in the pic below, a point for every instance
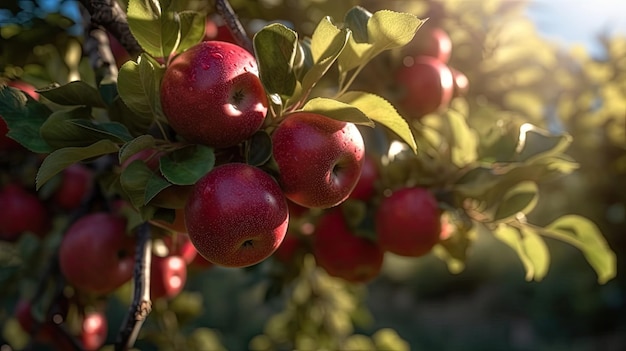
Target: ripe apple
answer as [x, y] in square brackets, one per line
[236, 215]
[22, 211]
[343, 254]
[427, 85]
[319, 159]
[434, 42]
[94, 330]
[461, 83]
[96, 254]
[211, 94]
[408, 222]
[365, 187]
[167, 276]
[201, 263]
[217, 31]
[76, 183]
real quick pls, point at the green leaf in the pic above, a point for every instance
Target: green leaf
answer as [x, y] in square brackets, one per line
[521, 198]
[337, 110]
[381, 111]
[535, 143]
[105, 130]
[259, 148]
[464, 140]
[388, 29]
[139, 85]
[327, 43]
[132, 147]
[24, 117]
[76, 93]
[60, 159]
[275, 47]
[59, 131]
[583, 234]
[536, 251]
[192, 29]
[157, 31]
[108, 92]
[133, 180]
[512, 237]
[356, 20]
[187, 165]
[136, 124]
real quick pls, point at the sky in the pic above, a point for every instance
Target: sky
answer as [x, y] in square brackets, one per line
[578, 21]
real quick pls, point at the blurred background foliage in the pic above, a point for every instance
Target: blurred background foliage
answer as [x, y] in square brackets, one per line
[515, 76]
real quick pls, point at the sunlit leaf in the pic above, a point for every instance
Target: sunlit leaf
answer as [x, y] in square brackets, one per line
[521, 198]
[139, 87]
[337, 110]
[586, 236]
[275, 48]
[380, 111]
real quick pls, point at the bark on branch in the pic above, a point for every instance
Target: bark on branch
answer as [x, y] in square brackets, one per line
[224, 9]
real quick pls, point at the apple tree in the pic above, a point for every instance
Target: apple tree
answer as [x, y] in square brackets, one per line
[149, 144]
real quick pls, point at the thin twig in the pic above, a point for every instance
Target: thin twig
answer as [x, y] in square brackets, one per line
[233, 23]
[141, 305]
[98, 49]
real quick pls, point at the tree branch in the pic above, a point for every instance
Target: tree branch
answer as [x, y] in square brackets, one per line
[141, 305]
[225, 10]
[109, 15]
[98, 49]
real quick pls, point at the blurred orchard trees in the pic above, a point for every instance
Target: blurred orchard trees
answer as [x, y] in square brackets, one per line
[468, 295]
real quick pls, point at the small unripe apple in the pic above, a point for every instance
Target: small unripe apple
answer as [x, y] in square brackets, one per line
[21, 211]
[76, 183]
[427, 85]
[319, 159]
[211, 94]
[168, 276]
[94, 330]
[343, 254]
[96, 254]
[236, 215]
[408, 222]
[365, 187]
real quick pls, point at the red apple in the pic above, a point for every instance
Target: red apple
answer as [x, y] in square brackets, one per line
[236, 215]
[343, 254]
[427, 85]
[217, 31]
[408, 222]
[200, 262]
[119, 52]
[211, 94]
[96, 254]
[76, 183]
[365, 187]
[167, 276]
[22, 211]
[94, 330]
[319, 159]
[437, 44]
[461, 83]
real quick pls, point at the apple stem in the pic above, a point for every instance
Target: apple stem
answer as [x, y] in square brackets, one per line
[109, 14]
[141, 305]
[233, 23]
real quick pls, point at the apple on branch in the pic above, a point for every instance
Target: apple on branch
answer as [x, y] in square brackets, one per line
[211, 94]
[319, 159]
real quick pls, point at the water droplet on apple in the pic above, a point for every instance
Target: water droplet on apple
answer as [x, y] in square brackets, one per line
[205, 66]
[217, 55]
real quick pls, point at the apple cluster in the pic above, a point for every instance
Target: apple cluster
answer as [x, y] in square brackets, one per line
[406, 221]
[427, 81]
[237, 214]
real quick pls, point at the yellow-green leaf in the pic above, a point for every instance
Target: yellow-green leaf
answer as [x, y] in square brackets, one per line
[381, 111]
[337, 110]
